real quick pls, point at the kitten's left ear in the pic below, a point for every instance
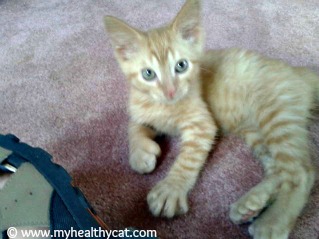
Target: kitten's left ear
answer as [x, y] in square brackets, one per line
[187, 23]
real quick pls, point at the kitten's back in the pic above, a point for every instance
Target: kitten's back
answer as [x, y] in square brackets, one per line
[238, 83]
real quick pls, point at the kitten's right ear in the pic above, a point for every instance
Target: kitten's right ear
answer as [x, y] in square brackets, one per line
[125, 39]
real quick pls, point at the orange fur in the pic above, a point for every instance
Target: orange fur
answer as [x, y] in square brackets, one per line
[265, 101]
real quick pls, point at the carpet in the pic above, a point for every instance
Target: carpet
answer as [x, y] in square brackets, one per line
[61, 89]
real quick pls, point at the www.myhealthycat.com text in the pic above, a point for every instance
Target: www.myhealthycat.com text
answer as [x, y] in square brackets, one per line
[15, 233]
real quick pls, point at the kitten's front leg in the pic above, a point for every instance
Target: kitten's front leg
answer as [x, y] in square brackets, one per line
[143, 149]
[169, 197]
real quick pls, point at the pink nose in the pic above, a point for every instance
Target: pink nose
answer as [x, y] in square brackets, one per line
[171, 93]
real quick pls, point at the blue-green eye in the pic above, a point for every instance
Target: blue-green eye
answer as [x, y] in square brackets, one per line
[148, 74]
[181, 66]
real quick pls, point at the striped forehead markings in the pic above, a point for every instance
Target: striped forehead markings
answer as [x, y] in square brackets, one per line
[163, 62]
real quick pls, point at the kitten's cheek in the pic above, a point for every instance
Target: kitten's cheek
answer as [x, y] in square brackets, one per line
[183, 92]
[155, 97]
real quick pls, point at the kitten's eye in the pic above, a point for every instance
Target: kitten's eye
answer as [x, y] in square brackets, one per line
[148, 74]
[181, 66]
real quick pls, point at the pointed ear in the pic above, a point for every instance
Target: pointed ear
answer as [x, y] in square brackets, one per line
[187, 23]
[125, 39]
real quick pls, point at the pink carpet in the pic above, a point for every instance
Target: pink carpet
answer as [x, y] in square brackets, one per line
[61, 89]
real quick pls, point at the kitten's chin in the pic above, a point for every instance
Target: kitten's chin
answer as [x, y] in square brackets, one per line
[172, 101]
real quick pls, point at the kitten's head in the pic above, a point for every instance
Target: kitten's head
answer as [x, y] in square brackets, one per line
[160, 63]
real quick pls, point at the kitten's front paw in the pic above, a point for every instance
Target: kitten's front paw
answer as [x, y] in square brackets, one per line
[168, 199]
[269, 227]
[143, 157]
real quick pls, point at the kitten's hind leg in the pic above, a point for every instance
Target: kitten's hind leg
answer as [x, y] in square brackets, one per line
[292, 166]
[252, 203]
[143, 149]
[287, 163]
[254, 139]
[278, 220]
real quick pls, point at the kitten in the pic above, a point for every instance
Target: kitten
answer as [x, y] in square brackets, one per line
[178, 89]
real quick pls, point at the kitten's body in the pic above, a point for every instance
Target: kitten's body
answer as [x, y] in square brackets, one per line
[269, 104]
[265, 101]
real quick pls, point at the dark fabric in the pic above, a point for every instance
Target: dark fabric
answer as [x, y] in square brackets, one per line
[59, 179]
[5, 235]
[15, 160]
[60, 217]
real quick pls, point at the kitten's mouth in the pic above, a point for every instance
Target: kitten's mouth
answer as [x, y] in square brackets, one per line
[173, 100]
[168, 101]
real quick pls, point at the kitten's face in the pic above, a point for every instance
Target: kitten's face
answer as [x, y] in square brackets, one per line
[161, 63]
[164, 68]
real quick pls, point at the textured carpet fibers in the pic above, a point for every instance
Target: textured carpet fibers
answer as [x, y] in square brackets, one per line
[61, 89]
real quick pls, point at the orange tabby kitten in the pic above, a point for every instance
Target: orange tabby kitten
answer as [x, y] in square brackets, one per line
[178, 89]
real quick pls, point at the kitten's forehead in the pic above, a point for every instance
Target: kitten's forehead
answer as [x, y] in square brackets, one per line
[160, 46]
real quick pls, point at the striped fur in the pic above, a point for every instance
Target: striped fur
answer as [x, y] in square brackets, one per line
[268, 103]
[265, 101]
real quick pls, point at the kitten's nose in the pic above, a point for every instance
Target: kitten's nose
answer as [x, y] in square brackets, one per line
[171, 93]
